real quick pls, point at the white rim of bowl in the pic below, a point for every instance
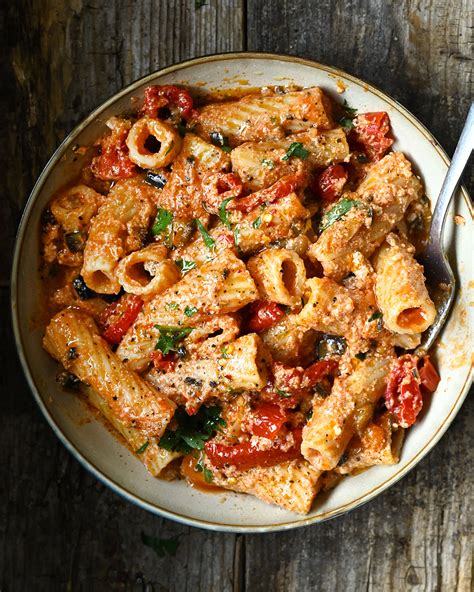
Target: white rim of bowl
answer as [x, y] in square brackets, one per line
[117, 488]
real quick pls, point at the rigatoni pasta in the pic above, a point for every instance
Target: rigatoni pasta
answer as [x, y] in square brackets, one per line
[232, 286]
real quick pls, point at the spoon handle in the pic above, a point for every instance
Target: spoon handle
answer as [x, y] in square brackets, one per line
[451, 181]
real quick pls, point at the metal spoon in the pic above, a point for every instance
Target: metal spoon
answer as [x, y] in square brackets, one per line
[433, 258]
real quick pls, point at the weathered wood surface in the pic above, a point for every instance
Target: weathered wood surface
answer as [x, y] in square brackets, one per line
[60, 529]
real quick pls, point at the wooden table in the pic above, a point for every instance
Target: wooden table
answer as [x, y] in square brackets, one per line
[60, 528]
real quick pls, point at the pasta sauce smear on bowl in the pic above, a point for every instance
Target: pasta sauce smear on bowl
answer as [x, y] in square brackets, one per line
[234, 286]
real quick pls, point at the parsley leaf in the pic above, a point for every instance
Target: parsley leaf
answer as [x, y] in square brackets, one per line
[225, 352]
[346, 123]
[257, 222]
[237, 235]
[161, 547]
[361, 356]
[338, 211]
[283, 394]
[172, 305]
[296, 149]
[142, 448]
[193, 430]
[223, 215]
[170, 338]
[219, 140]
[377, 316]
[163, 219]
[268, 163]
[208, 476]
[206, 237]
[185, 265]
[348, 108]
[190, 310]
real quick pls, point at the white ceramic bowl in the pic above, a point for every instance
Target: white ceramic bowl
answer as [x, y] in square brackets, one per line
[93, 445]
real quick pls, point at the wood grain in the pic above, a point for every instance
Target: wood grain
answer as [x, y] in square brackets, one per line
[60, 529]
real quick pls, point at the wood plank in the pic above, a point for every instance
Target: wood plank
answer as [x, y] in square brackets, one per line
[59, 527]
[415, 536]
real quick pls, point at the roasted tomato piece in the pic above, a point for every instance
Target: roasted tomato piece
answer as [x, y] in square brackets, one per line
[263, 315]
[267, 420]
[162, 362]
[119, 316]
[281, 188]
[428, 375]
[371, 131]
[167, 95]
[113, 162]
[329, 184]
[218, 187]
[246, 456]
[403, 396]
[317, 371]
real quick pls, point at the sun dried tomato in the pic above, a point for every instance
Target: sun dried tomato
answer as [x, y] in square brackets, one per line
[119, 316]
[263, 315]
[167, 95]
[283, 187]
[371, 131]
[329, 184]
[403, 396]
[267, 420]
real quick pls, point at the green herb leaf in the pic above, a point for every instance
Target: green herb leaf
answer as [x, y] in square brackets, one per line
[225, 352]
[162, 547]
[142, 448]
[349, 109]
[206, 237]
[346, 123]
[268, 163]
[361, 356]
[193, 431]
[338, 211]
[185, 265]
[172, 305]
[170, 338]
[236, 235]
[257, 222]
[375, 316]
[189, 311]
[181, 128]
[163, 219]
[223, 215]
[309, 415]
[296, 149]
[219, 140]
[283, 394]
[208, 476]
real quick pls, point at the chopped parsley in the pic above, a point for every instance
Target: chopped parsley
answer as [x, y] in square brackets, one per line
[219, 140]
[223, 215]
[349, 113]
[298, 150]
[268, 163]
[161, 547]
[170, 337]
[377, 316]
[309, 415]
[185, 265]
[206, 237]
[225, 352]
[236, 233]
[189, 311]
[208, 476]
[193, 430]
[142, 448]
[163, 219]
[283, 394]
[339, 211]
[361, 356]
[257, 222]
[172, 305]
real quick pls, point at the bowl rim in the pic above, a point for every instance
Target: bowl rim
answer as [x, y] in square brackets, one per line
[89, 465]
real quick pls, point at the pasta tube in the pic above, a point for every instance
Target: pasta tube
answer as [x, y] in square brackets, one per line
[379, 444]
[257, 117]
[361, 221]
[219, 287]
[289, 341]
[146, 448]
[283, 219]
[147, 272]
[346, 411]
[259, 164]
[152, 143]
[120, 226]
[400, 289]
[239, 365]
[279, 274]
[73, 339]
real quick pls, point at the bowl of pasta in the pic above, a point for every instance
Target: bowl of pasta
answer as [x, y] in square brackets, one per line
[216, 297]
